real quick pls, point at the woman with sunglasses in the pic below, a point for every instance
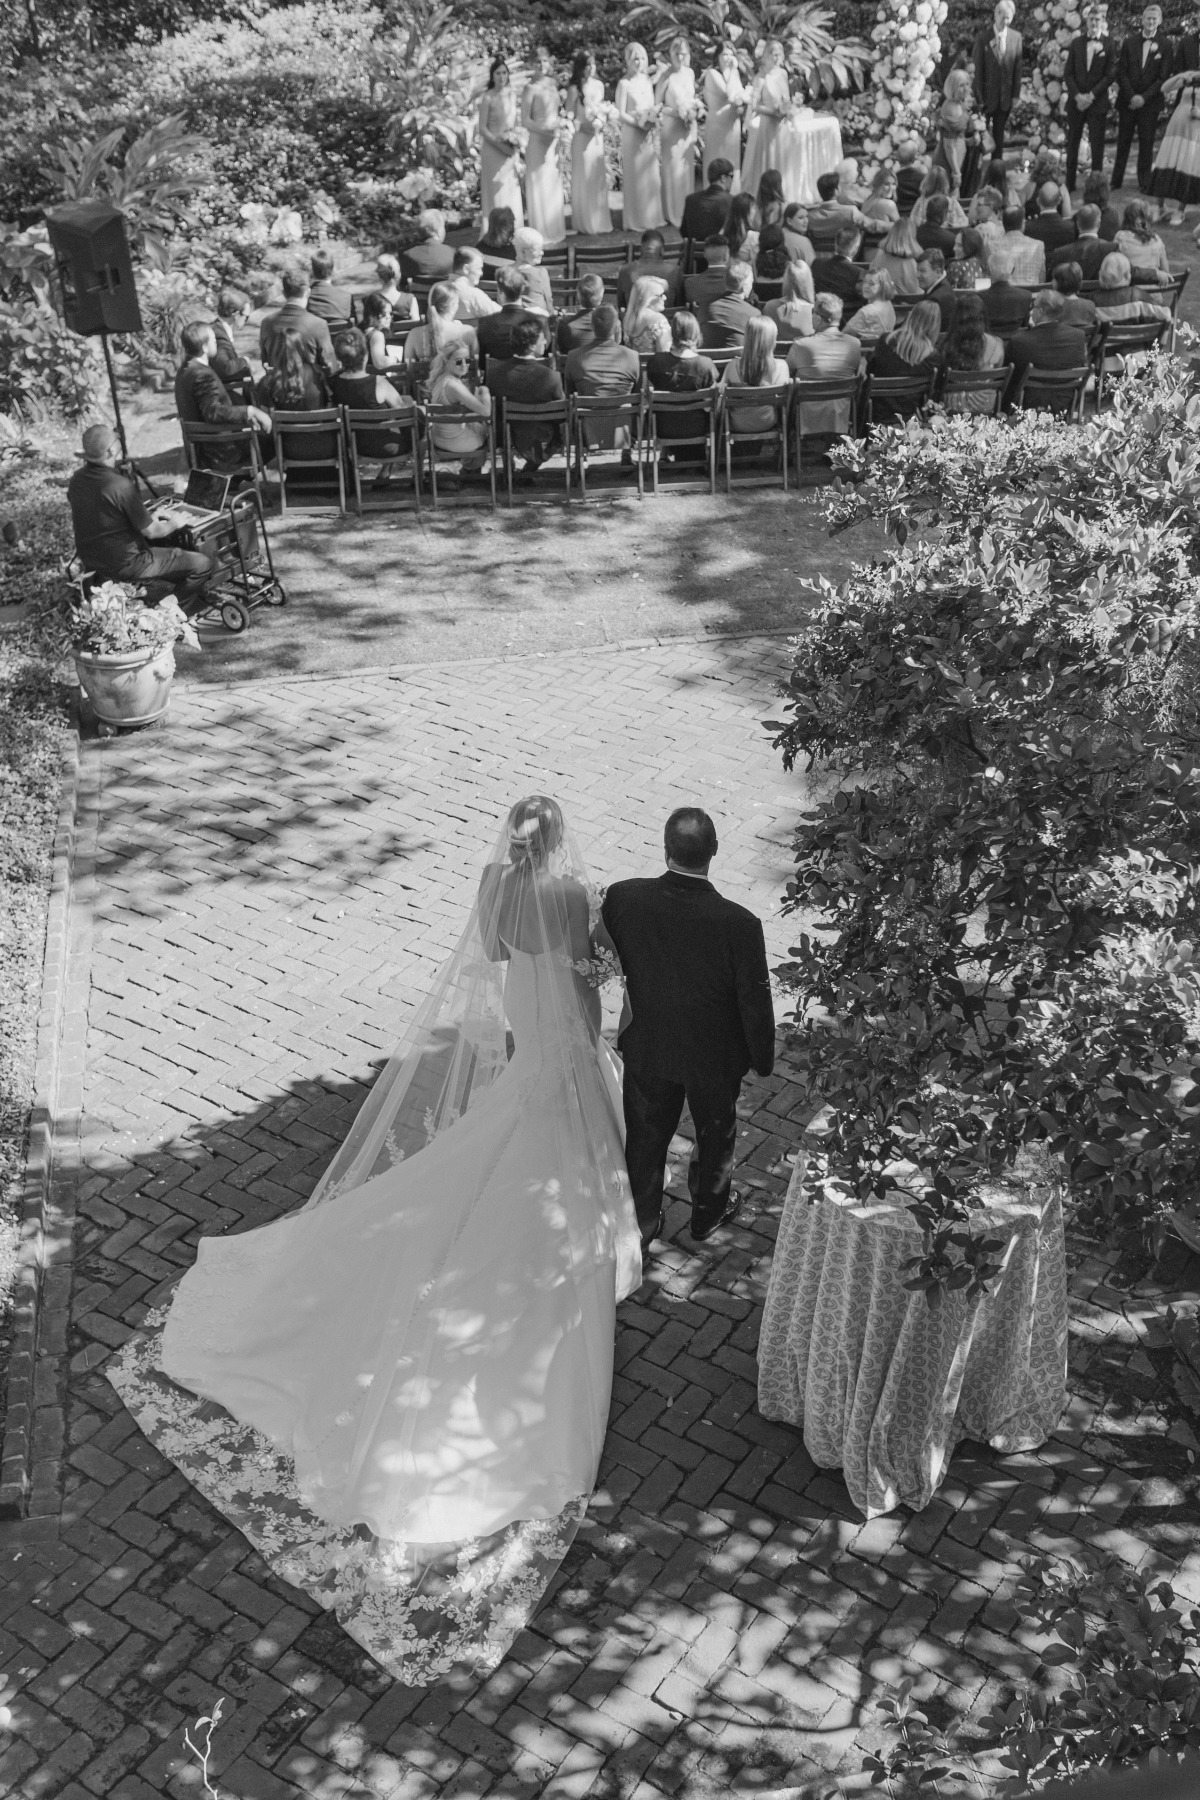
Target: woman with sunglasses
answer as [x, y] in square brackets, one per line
[447, 386]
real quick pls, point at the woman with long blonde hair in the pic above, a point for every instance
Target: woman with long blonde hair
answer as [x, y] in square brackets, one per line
[756, 366]
[647, 328]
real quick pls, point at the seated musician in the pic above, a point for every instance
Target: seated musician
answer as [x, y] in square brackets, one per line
[117, 538]
[201, 398]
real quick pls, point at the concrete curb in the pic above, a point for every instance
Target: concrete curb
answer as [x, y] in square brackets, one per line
[39, 1239]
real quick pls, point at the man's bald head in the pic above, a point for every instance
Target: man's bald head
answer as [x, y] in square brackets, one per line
[99, 442]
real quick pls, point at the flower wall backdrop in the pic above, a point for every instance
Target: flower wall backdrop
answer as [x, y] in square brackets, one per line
[897, 105]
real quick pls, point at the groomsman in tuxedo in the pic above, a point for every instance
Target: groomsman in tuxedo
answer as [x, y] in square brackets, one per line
[998, 71]
[1091, 71]
[1142, 67]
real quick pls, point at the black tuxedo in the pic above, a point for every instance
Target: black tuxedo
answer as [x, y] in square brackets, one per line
[228, 361]
[704, 214]
[700, 998]
[836, 274]
[1139, 75]
[997, 81]
[1094, 81]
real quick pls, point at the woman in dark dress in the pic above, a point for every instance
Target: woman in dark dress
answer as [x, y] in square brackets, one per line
[296, 385]
[682, 370]
[496, 245]
[365, 390]
[912, 350]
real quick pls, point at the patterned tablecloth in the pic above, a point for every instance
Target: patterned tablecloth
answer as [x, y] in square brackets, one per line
[818, 151]
[883, 1384]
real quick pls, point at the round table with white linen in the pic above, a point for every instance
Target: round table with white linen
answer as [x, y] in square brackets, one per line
[885, 1385]
[814, 148]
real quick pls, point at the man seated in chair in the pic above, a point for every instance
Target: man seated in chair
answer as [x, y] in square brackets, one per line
[1047, 343]
[432, 259]
[473, 303]
[1006, 307]
[833, 211]
[233, 310]
[605, 369]
[528, 379]
[115, 534]
[705, 212]
[294, 315]
[575, 330]
[708, 284]
[839, 274]
[325, 301]
[201, 399]
[829, 354]
[725, 326]
[495, 332]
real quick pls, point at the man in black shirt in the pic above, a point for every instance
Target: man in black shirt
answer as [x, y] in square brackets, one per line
[114, 531]
[495, 333]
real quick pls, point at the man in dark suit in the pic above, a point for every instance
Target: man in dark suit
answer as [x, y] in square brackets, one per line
[495, 333]
[431, 259]
[529, 380]
[931, 272]
[1142, 67]
[705, 212]
[294, 315]
[1049, 226]
[702, 289]
[935, 234]
[1047, 343]
[575, 332]
[837, 274]
[1091, 71]
[998, 71]
[333, 304]
[201, 398]
[725, 325]
[1089, 249]
[651, 260]
[233, 310]
[699, 989]
[1006, 307]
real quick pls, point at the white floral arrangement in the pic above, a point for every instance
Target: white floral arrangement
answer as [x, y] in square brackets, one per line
[1051, 28]
[899, 102]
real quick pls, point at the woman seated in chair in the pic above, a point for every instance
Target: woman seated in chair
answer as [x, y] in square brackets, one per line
[741, 229]
[755, 366]
[496, 244]
[1138, 240]
[295, 385]
[900, 254]
[793, 312]
[938, 182]
[770, 199]
[772, 261]
[442, 327]
[913, 350]
[647, 329]
[796, 240]
[376, 323]
[880, 204]
[682, 370]
[876, 317]
[363, 390]
[464, 442]
[1118, 300]
[970, 345]
[404, 305]
[529, 247]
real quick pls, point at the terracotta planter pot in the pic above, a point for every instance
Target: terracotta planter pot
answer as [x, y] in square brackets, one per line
[131, 687]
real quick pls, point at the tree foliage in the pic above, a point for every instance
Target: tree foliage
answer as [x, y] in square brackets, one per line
[825, 64]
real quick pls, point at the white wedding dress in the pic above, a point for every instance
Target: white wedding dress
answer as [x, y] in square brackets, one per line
[400, 1392]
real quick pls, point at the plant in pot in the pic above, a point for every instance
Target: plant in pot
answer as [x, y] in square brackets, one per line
[125, 651]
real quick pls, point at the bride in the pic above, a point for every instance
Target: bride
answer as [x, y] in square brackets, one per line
[399, 1393]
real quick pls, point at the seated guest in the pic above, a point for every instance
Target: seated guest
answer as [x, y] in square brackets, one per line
[201, 398]
[913, 349]
[1005, 181]
[935, 182]
[1117, 299]
[495, 333]
[441, 328]
[770, 199]
[576, 331]
[1005, 307]
[1088, 250]
[832, 214]
[233, 312]
[293, 384]
[529, 380]
[333, 304]
[1096, 192]
[727, 317]
[646, 326]
[364, 390]
[705, 212]
[708, 284]
[473, 303]
[607, 369]
[793, 311]
[876, 316]
[772, 258]
[970, 345]
[404, 305]
[682, 370]
[900, 256]
[376, 323]
[496, 244]
[984, 216]
[796, 240]
[1077, 308]
[849, 188]
[1045, 172]
[755, 366]
[828, 353]
[879, 208]
[447, 386]
[529, 247]
[936, 287]
[1047, 343]
[1028, 255]
[1048, 225]
[936, 234]
[114, 532]
[1138, 240]
[911, 169]
[294, 316]
[839, 274]
[432, 259]
[741, 229]
[651, 260]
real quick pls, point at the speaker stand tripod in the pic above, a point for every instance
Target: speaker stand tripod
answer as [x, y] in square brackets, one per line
[112, 388]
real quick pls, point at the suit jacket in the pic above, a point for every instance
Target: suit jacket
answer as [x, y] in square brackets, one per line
[293, 316]
[701, 290]
[200, 397]
[1089, 253]
[838, 275]
[945, 298]
[998, 79]
[726, 323]
[1052, 230]
[333, 304]
[1047, 347]
[705, 213]
[671, 273]
[943, 238]
[1097, 80]
[1006, 307]
[1137, 74]
[495, 332]
[228, 361]
[696, 973]
[575, 333]
[600, 369]
[427, 262]
[529, 383]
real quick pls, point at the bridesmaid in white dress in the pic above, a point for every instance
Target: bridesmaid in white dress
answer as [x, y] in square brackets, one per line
[770, 100]
[499, 182]
[725, 101]
[641, 183]
[677, 97]
[544, 199]
[589, 175]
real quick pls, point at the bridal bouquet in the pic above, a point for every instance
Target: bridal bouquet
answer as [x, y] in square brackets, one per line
[598, 970]
[648, 117]
[518, 140]
[564, 130]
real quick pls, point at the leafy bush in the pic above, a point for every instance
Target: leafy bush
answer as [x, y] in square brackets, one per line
[42, 364]
[1008, 893]
[824, 65]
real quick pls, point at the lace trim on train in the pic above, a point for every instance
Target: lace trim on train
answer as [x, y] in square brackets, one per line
[418, 1620]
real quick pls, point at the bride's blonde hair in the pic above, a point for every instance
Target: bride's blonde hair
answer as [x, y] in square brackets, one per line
[535, 828]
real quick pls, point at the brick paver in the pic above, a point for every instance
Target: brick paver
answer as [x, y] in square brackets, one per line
[261, 890]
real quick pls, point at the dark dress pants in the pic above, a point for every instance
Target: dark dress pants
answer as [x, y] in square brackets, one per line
[997, 123]
[653, 1108]
[1142, 123]
[1094, 122]
[184, 573]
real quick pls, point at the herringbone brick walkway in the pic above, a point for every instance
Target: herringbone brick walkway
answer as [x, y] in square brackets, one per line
[262, 889]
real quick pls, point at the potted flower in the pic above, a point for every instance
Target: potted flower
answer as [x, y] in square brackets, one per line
[125, 651]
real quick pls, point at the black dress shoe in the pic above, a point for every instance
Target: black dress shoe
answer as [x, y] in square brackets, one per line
[655, 1232]
[702, 1233]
